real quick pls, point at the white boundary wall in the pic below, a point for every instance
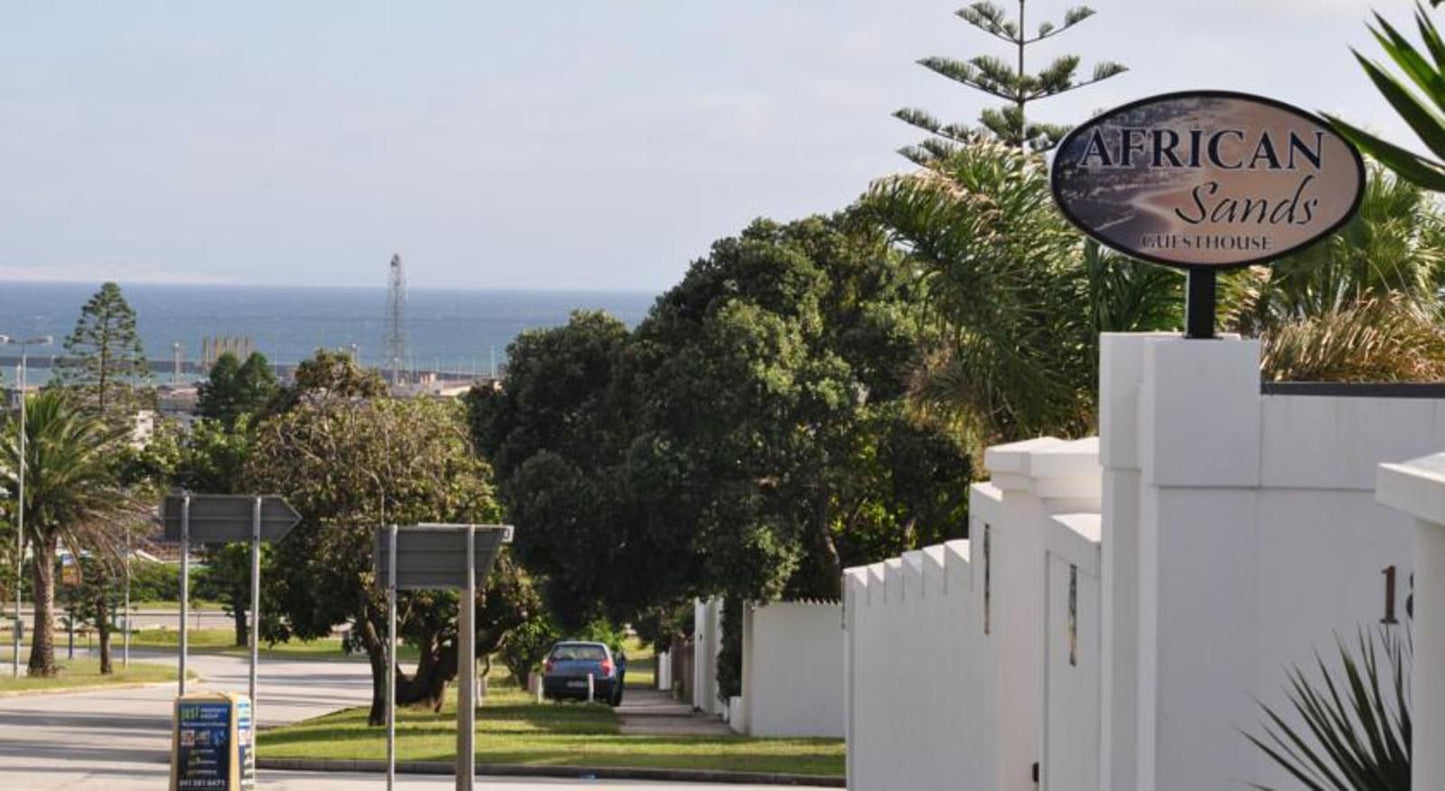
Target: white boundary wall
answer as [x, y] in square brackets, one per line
[707, 643]
[792, 670]
[1211, 539]
[946, 646]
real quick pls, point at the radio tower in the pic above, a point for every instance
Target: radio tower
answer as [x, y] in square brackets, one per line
[396, 320]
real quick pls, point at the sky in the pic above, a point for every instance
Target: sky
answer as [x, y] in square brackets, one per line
[566, 144]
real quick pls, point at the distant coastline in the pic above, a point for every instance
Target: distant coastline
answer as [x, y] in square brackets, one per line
[464, 330]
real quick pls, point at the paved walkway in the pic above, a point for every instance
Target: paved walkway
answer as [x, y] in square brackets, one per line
[654, 713]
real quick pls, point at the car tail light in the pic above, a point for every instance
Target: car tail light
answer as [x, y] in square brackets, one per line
[547, 666]
[607, 667]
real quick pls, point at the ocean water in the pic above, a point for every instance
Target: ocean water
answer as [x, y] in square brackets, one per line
[451, 330]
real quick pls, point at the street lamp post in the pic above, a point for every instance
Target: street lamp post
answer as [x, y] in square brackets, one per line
[42, 340]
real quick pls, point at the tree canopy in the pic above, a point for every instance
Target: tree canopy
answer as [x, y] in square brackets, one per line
[104, 361]
[233, 388]
[749, 438]
[349, 466]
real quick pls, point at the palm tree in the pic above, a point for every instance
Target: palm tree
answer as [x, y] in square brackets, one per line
[71, 496]
[1019, 297]
[1362, 305]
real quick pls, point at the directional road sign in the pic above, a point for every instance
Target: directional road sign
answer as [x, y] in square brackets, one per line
[432, 556]
[446, 557]
[228, 517]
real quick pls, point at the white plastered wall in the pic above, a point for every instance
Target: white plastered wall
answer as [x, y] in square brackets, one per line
[793, 669]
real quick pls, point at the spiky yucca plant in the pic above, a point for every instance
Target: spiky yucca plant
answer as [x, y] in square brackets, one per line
[1356, 720]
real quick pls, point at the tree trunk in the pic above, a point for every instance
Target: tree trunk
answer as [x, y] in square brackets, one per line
[42, 635]
[434, 670]
[102, 626]
[830, 565]
[238, 617]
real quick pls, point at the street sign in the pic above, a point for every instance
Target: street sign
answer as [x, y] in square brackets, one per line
[225, 518]
[432, 556]
[437, 556]
[228, 517]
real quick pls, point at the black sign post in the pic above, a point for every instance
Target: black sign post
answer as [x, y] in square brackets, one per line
[439, 557]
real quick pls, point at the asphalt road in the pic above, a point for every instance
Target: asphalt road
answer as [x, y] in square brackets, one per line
[120, 739]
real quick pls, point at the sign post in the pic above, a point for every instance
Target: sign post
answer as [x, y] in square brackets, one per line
[439, 557]
[1204, 181]
[226, 518]
[391, 659]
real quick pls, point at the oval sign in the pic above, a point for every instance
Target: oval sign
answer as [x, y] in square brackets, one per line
[1207, 179]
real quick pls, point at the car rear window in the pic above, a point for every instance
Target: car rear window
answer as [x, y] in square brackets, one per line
[589, 653]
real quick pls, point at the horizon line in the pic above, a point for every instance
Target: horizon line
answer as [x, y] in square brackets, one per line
[83, 281]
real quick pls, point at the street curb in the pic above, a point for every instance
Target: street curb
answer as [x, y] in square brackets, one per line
[26, 693]
[564, 772]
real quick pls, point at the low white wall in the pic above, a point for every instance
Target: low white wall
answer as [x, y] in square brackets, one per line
[793, 670]
[947, 645]
[707, 637]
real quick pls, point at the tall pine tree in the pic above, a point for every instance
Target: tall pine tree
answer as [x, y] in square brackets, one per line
[104, 362]
[1007, 81]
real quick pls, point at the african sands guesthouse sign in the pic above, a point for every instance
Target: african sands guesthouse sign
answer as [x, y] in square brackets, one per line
[1206, 180]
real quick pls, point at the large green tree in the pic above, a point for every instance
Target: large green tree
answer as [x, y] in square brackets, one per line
[1008, 80]
[233, 389]
[749, 438]
[351, 465]
[104, 362]
[72, 495]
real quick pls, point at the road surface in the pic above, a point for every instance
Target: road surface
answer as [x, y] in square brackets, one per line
[119, 740]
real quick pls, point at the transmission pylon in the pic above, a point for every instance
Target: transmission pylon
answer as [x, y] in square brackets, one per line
[396, 320]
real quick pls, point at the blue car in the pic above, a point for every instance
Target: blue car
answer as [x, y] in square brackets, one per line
[565, 671]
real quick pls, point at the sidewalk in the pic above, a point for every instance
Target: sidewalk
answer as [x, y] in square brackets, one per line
[650, 712]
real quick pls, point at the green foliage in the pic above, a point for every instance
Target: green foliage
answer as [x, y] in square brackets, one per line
[1423, 115]
[730, 654]
[526, 646]
[327, 375]
[103, 360]
[350, 465]
[1356, 720]
[1017, 298]
[1379, 339]
[151, 581]
[1394, 245]
[72, 495]
[1013, 84]
[1360, 306]
[233, 389]
[749, 437]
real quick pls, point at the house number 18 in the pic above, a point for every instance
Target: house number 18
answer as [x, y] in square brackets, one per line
[1390, 574]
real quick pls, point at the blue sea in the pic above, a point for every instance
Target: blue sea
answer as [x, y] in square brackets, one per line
[451, 330]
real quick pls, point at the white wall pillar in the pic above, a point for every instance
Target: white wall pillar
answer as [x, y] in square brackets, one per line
[1199, 455]
[1418, 488]
[1121, 374]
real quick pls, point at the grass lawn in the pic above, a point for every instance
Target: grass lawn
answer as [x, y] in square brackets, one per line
[513, 729]
[86, 673]
[175, 606]
[641, 664]
[223, 641]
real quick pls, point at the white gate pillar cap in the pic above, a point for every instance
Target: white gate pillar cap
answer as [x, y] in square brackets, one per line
[1416, 487]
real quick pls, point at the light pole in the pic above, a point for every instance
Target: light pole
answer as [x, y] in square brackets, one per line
[42, 340]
